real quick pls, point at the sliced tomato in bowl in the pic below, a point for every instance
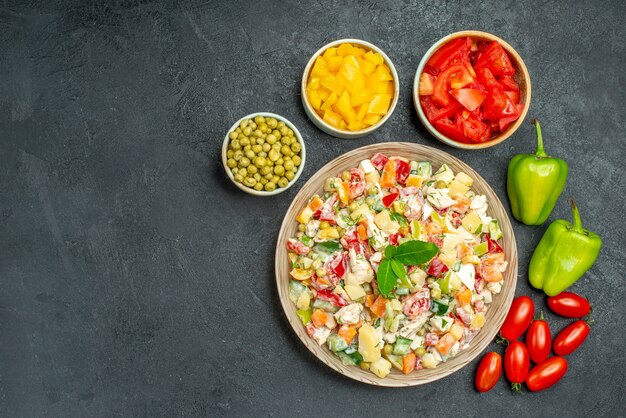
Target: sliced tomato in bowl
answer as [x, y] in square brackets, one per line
[469, 98]
[449, 129]
[457, 76]
[495, 58]
[456, 50]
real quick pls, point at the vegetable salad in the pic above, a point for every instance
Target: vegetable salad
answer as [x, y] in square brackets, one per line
[394, 265]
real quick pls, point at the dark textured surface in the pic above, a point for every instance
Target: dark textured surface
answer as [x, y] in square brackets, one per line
[136, 280]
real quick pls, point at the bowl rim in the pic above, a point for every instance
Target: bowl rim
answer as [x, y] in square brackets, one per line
[340, 133]
[249, 189]
[517, 60]
[486, 335]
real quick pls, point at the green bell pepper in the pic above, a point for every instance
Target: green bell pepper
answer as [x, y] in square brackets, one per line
[564, 253]
[534, 183]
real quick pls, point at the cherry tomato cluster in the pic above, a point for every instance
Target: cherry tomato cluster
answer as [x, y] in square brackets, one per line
[518, 356]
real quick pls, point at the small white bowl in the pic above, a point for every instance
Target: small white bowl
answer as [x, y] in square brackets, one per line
[250, 190]
[318, 121]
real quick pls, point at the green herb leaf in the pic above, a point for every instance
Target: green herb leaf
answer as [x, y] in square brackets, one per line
[398, 268]
[386, 277]
[415, 252]
[443, 323]
[329, 246]
[390, 251]
[399, 218]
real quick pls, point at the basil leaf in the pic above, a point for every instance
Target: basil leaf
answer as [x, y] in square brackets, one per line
[390, 251]
[398, 268]
[386, 277]
[415, 252]
[329, 246]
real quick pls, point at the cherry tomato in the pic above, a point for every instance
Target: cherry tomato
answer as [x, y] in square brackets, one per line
[516, 364]
[569, 304]
[538, 340]
[518, 319]
[546, 374]
[571, 338]
[489, 371]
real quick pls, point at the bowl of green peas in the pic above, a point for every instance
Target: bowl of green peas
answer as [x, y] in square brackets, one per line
[263, 154]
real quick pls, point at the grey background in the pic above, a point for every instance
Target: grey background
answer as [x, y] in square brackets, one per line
[136, 280]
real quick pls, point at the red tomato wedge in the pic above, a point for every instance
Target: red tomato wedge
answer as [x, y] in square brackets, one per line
[455, 50]
[495, 59]
[474, 130]
[433, 112]
[508, 83]
[457, 76]
[469, 98]
[450, 130]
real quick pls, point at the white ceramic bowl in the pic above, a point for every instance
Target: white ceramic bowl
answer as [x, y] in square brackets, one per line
[250, 190]
[318, 121]
[521, 76]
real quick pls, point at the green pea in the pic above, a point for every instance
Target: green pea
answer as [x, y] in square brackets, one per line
[285, 140]
[279, 170]
[285, 150]
[280, 161]
[232, 135]
[271, 122]
[265, 170]
[234, 170]
[244, 141]
[243, 172]
[244, 123]
[247, 148]
[372, 190]
[238, 130]
[264, 181]
[276, 133]
[234, 144]
[271, 139]
[252, 125]
[296, 147]
[249, 181]
[252, 169]
[259, 161]
[284, 131]
[441, 184]
[258, 133]
[301, 228]
[258, 187]
[370, 201]
[256, 176]
[262, 154]
[275, 179]
[259, 119]
[290, 175]
[240, 137]
[230, 153]
[280, 124]
[238, 178]
[352, 206]
[260, 141]
[283, 182]
[253, 141]
[231, 163]
[238, 155]
[249, 154]
[257, 148]
[263, 127]
[269, 162]
[247, 131]
[345, 176]
[270, 186]
[244, 162]
[296, 160]
[289, 165]
[290, 132]
[266, 147]
[269, 176]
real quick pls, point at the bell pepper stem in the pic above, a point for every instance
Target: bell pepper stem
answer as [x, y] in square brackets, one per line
[540, 151]
[578, 225]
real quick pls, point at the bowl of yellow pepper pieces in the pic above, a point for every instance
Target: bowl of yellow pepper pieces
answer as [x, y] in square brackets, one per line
[350, 88]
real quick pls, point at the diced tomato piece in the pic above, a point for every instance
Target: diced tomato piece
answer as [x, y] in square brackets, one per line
[455, 77]
[474, 129]
[437, 268]
[328, 295]
[379, 160]
[456, 50]
[388, 199]
[403, 169]
[426, 84]
[434, 112]
[486, 78]
[508, 83]
[393, 239]
[506, 121]
[495, 59]
[498, 105]
[350, 240]
[336, 268]
[469, 98]
[513, 95]
[297, 247]
[450, 130]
